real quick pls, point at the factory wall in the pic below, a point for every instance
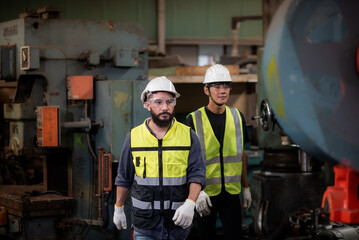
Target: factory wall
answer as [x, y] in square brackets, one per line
[184, 18]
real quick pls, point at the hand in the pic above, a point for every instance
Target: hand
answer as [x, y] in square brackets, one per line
[119, 218]
[184, 214]
[203, 203]
[247, 199]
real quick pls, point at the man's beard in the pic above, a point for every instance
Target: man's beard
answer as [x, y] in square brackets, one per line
[162, 123]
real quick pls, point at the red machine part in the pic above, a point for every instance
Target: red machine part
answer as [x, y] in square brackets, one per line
[104, 171]
[107, 172]
[341, 200]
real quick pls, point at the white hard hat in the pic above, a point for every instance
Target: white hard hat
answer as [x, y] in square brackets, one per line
[159, 84]
[217, 73]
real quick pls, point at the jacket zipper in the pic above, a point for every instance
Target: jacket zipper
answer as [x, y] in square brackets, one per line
[144, 167]
[160, 174]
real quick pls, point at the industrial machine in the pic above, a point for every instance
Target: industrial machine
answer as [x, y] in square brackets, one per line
[69, 93]
[309, 83]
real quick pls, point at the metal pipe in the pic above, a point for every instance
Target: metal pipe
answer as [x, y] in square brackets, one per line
[235, 28]
[82, 221]
[304, 161]
[234, 51]
[79, 124]
[161, 27]
[99, 182]
[90, 147]
[99, 123]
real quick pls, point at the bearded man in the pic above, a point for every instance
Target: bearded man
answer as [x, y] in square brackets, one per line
[162, 164]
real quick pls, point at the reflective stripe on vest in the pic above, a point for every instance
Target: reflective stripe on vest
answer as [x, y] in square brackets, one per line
[232, 151]
[156, 204]
[154, 181]
[160, 166]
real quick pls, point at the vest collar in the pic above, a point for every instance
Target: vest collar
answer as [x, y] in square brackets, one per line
[169, 131]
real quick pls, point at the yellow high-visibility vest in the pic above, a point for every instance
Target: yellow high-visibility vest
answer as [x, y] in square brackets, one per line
[232, 151]
[160, 181]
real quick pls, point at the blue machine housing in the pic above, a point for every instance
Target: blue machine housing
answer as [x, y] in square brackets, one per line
[311, 78]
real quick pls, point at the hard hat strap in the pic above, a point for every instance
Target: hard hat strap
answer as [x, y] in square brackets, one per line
[210, 95]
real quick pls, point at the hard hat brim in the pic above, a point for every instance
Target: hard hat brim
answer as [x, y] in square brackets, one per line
[144, 94]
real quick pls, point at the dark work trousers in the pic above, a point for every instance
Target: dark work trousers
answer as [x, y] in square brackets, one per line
[230, 212]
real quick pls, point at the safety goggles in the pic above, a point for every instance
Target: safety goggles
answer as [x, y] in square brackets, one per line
[218, 86]
[157, 102]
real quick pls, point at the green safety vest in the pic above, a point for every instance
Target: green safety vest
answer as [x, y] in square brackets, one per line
[232, 151]
[160, 181]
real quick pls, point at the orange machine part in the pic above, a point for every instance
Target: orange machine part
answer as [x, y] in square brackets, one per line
[80, 87]
[48, 127]
[342, 198]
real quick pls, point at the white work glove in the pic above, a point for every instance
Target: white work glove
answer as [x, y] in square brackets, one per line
[247, 199]
[184, 214]
[203, 203]
[119, 218]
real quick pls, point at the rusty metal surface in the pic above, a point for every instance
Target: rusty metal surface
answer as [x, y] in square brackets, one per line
[7, 91]
[48, 126]
[31, 201]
